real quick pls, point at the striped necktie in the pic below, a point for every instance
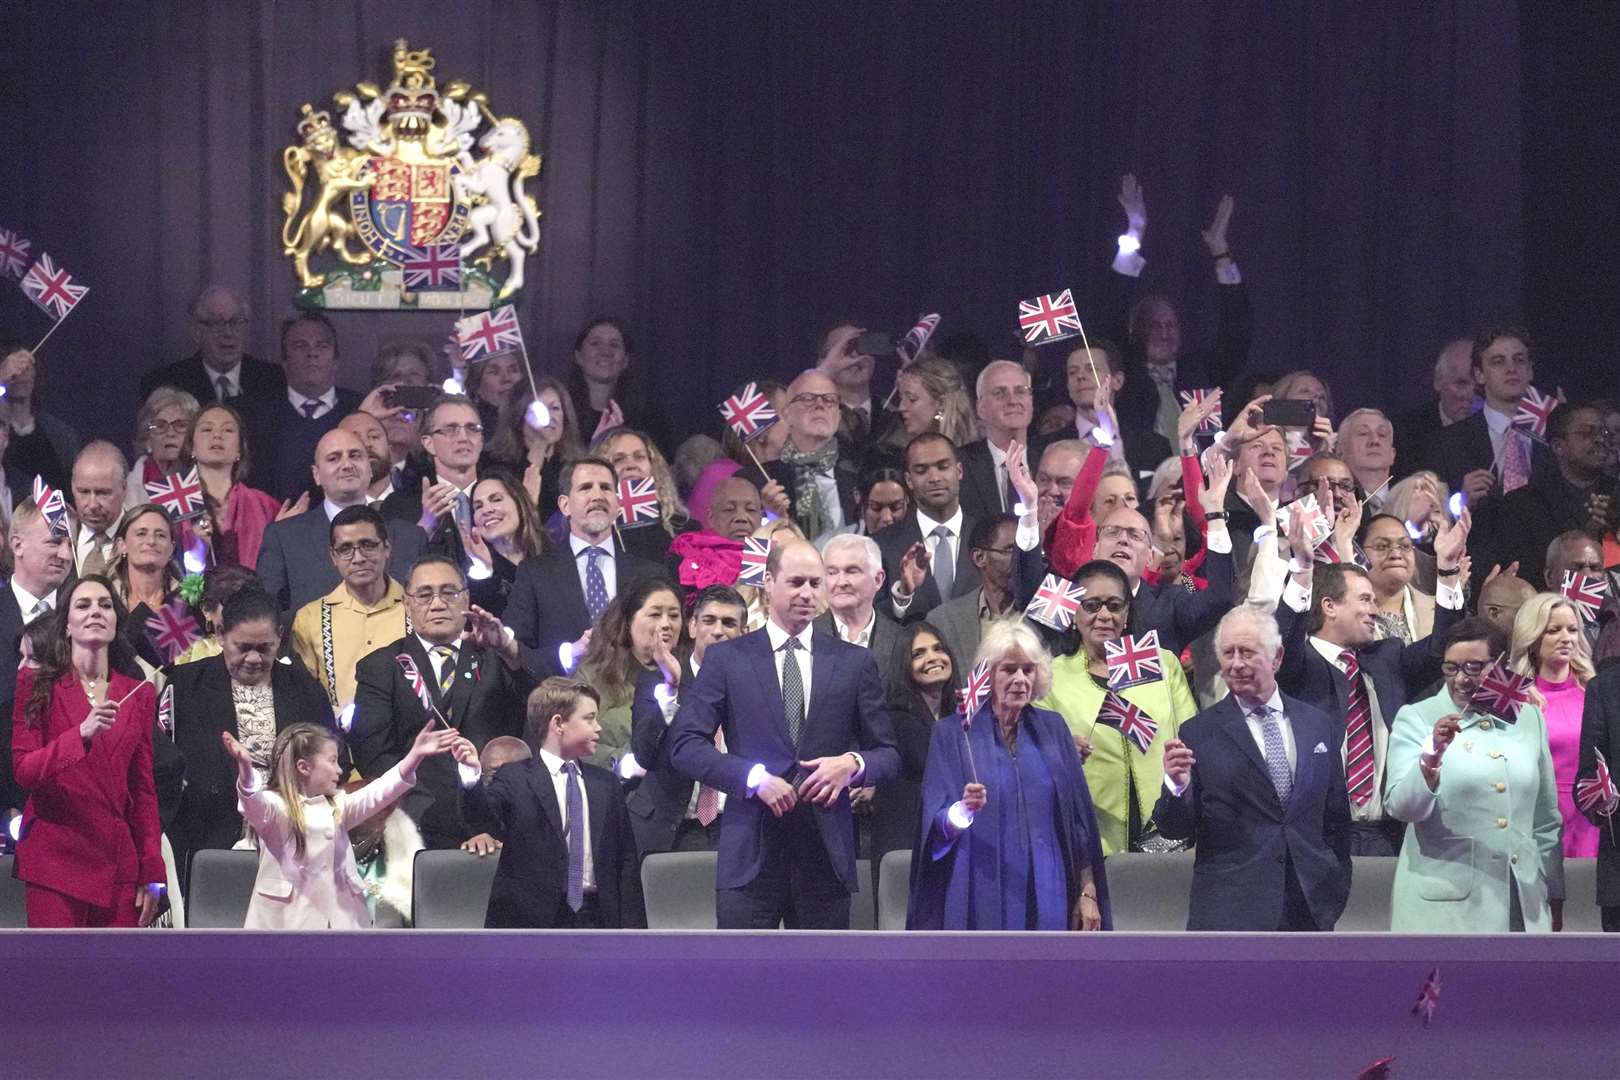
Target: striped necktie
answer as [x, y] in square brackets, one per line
[447, 668]
[1358, 733]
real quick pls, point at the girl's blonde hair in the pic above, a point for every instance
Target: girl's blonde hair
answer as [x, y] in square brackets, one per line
[1531, 623]
[295, 743]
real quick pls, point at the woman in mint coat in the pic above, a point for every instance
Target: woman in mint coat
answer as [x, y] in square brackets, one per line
[1482, 852]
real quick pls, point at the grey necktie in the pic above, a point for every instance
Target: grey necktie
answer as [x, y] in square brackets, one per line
[1276, 753]
[792, 689]
[943, 564]
[222, 386]
[41, 608]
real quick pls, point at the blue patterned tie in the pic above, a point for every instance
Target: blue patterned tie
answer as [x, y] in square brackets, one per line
[1276, 753]
[596, 597]
[576, 838]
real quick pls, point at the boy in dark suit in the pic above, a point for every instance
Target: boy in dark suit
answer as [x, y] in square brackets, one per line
[568, 858]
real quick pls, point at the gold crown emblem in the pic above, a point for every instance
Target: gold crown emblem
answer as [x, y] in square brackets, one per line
[311, 121]
[412, 70]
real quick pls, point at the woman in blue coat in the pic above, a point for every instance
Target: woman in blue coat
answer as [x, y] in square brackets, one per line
[1008, 839]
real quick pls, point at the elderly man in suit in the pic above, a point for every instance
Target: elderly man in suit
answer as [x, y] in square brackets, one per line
[816, 470]
[1328, 618]
[926, 560]
[557, 596]
[220, 369]
[461, 660]
[99, 476]
[804, 718]
[1005, 405]
[295, 563]
[961, 621]
[668, 812]
[854, 575]
[1255, 783]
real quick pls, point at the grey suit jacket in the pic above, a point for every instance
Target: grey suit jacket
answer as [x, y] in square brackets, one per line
[958, 624]
[295, 560]
[885, 636]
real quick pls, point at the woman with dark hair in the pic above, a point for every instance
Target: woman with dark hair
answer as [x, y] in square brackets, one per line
[144, 576]
[505, 531]
[246, 691]
[534, 442]
[632, 629]
[491, 381]
[606, 381]
[240, 513]
[219, 585]
[81, 747]
[882, 499]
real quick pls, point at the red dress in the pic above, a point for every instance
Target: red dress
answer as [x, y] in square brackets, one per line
[90, 827]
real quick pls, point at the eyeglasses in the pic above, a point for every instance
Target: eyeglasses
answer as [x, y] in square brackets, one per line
[995, 550]
[347, 550]
[448, 594]
[1343, 487]
[1093, 604]
[1011, 393]
[222, 324]
[173, 427]
[1123, 532]
[828, 400]
[453, 430]
[1468, 667]
[1384, 547]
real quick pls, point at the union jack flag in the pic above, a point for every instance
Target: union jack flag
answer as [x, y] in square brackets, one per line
[916, 338]
[51, 505]
[1055, 603]
[1210, 424]
[53, 290]
[1428, 997]
[413, 677]
[433, 267]
[1137, 726]
[1048, 318]
[1299, 450]
[748, 413]
[13, 253]
[181, 496]
[755, 550]
[165, 713]
[1534, 409]
[1597, 794]
[1318, 528]
[1584, 591]
[973, 692]
[1501, 692]
[1133, 661]
[172, 629]
[638, 502]
[488, 332]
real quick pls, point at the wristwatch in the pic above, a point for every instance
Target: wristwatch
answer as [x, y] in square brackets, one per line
[1215, 515]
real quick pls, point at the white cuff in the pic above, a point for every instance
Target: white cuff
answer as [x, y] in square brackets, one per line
[508, 635]
[901, 604]
[1227, 273]
[1028, 535]
[1172, 787]
[860, 769]
[1297, 597]
[668, 701]
[1218, 539]
[957, 819]
[1127, 262]
[1448, 595]
[756, 777]
[468, 775]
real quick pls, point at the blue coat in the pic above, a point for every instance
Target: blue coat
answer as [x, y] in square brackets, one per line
[738, 689]
[1245, 836]
[956, 882]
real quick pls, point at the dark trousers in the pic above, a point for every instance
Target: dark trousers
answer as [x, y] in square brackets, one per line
[1296, 911]
[1376, 837]
[1611, 919]
[588, 917]
[797, 886]
[691, 835]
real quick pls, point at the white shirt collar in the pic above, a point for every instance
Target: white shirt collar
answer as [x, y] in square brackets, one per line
[428, 646]
[927, 524]
[859, 632]
[1330, 652]
[332, 508]
[578, 544]
[779, 636]
[1496, 422]
[328, 399]
[1274, 703]
[553, 763]
[233, 377]
[997, 454]
[27, 601]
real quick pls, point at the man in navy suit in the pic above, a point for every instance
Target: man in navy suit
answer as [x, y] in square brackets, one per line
[1328, 621]
[795, 706]
[286, 433]
[1255, 782]
[926, 559]
[220, 369]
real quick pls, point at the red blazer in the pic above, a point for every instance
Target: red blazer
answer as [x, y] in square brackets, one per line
[91, 823]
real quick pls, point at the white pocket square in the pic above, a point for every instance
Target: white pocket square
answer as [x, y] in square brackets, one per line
[1321, 748]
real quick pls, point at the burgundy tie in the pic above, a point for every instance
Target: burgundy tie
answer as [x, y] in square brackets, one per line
[1358, 735]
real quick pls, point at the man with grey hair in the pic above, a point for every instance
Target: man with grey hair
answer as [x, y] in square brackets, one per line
[1456, 397]
[99, 473]
[1366, 443]
[854, 573]
[1256, 783]
[220, 369]
[815, 471]
[1005, 404]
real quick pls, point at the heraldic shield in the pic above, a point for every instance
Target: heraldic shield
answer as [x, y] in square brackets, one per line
[405, 215]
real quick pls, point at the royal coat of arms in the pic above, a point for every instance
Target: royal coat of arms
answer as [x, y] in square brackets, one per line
[404, 216]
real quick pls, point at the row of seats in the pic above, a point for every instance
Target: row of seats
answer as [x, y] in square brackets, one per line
[451, 891]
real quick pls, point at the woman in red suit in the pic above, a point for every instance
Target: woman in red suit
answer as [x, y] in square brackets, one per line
[82, 750]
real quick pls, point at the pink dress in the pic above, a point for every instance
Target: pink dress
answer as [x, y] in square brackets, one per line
[1565, 701]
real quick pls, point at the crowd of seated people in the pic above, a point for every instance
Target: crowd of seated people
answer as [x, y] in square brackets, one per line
[1029, 612]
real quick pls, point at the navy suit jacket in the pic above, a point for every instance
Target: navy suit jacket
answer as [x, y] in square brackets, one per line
[894, 541]
[738, 690]
[981, 495]
[1245, 837]
[547, 603]
[295, 560]
[658, 804]
[11, 624]
[1397, 670]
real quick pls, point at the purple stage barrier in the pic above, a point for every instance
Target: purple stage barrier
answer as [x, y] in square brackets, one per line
[681, 1003]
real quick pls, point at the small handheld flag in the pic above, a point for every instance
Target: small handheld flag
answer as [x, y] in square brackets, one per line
[53, 291]
[51, 505]
[488, 332]
[1535, 408]
[1318, 527]
[1209, 425]
[1133, 661]
[13, 254]
[165, 710]
[1597, 794]
[1502, 692]
[1048, 318]
[916, 338]
[973, 692]
[638, 502]
[755, 551]
[1136, 725]
[1055, 603]
[413, 678]
[181, 496]
[1585, 592]
[173, 630]
[748, 413]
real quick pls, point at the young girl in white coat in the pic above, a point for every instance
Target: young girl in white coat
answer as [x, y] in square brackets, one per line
[307, 877]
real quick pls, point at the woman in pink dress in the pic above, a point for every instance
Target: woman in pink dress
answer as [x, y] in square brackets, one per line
[1549, 642]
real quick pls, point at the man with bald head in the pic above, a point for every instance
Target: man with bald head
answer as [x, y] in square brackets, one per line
[804, 720]
[1005, 404]
[1500, 599]
[98, 500]
[221, 369]
[373, 435]
[818, 473]
[295, 563]
[734, 508]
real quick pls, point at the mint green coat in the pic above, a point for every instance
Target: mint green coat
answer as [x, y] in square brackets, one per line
[1494, 817]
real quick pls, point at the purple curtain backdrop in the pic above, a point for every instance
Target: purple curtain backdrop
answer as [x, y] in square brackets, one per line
[729, 176]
